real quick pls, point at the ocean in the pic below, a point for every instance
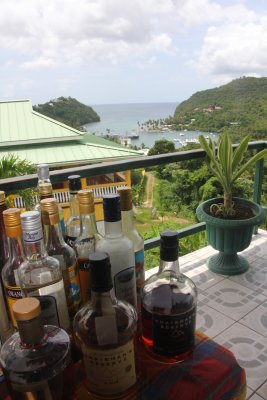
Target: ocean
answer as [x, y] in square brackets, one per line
[123, 119]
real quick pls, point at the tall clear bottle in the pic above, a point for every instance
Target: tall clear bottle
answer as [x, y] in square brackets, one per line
[169, 303]
[120, 250]
[57, 248]
[84, 245]
[129, 230]
[43, 174]
[16, 257]
[3, 238]
[40, 275]
[45, 191]
[105, 330]
[72, 226]
[34, 358]
[5, 326]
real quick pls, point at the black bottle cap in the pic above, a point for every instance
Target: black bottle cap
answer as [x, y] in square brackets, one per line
[112, 207]
[75, 182]
[168, 245]
[100, 267]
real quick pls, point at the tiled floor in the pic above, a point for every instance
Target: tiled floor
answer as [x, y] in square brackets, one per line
[233, 309]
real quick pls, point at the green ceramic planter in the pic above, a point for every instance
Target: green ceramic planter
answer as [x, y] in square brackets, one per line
[229, 237]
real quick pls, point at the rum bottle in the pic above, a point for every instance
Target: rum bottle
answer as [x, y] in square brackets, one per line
[72, 226]
[169, 302]
[34, 358]
[16, 257]
[120, 250]
[5, 326]
[84, 245]
[40, 275]
[3, 238]
[129, 230]
[104, 330]
[57, 248]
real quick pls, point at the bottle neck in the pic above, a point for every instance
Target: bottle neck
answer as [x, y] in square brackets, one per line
[53, 234]
[172, 266]
[31, 332]
[104, 301]
[127, 219]
[15, 247]
[35, 250]
[113, 229]
[88, 225]
[74, 205]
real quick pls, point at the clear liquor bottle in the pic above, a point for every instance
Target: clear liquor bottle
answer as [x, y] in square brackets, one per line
[40, 275]
[120, 250]
[72, 226]
[105, 330]
[169, 302]
[56, 247]
[3, 238]
[43, 174]
[45, 191]
[16, 257]
[129, 230]
[34, 358]
[84, 245]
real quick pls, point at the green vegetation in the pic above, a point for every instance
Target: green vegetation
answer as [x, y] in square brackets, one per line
[69, 111]
[240, 105]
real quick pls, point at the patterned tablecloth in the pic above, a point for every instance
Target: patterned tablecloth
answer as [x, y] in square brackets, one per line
[210, 373]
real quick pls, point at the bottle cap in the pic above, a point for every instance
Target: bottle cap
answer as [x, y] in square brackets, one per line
[112, 208]
[49, 210]
[43, 171]
[45, 188]
[26, 309]
[168, 245]
[126, 198]
[74, 183]
[12, 222]
[31, 226]
[2, 196]
[86, 201]
[100, 268]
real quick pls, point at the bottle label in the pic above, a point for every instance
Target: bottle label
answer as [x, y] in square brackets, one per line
[125, 285]
[49, 313]
[175, 334]
[13, 293]
[70, 240]
[110, 371]
[139, 269]
[33, 236]
[85, 278]
[74, 285]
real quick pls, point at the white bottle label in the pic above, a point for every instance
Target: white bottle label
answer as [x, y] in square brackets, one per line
[110, 371]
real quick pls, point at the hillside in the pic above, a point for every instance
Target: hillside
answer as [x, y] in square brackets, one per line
[68, 111]
[240, 105]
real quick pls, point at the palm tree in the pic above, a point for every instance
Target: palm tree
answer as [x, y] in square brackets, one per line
[11, 165]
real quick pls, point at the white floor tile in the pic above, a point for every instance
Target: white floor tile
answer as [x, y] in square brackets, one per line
[210, 321]
[250, 350]
[255, 397]
[262, 391]
[257, 320]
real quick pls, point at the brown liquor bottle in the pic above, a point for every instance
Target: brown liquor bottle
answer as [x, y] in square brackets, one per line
[3, 238]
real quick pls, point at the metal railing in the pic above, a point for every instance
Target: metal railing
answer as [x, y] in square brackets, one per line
[22, 182]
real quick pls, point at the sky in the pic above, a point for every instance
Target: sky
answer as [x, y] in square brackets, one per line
[134, 51]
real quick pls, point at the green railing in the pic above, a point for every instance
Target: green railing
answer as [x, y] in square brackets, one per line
[27, 181]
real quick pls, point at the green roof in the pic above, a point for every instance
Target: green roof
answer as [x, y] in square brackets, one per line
[40, 139]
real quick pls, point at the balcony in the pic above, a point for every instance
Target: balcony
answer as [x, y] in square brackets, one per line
[232, 310]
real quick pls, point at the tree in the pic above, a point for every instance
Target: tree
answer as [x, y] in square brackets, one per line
[161, 147]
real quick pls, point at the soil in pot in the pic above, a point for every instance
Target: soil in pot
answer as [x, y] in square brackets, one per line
[240, 212]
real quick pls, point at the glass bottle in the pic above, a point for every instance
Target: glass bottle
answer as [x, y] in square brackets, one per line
[35, 357]
[46, 192]
[3, 238]
[105, 330]
[16, 257]
[120, 250]
[5, 326]
[72, 226]
[85, 242]
[57, 248]
[40, 275]
[43, 174]
[129, 230]
[169, 302]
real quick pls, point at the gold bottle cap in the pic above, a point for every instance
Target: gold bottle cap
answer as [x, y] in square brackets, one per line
[86, 201]
[49, 209]
[126, 198]
[2, 196]
[12, 222]
[26, 309]
[45, 188]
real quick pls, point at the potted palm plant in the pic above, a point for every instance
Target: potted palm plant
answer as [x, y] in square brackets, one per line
[230, 221]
